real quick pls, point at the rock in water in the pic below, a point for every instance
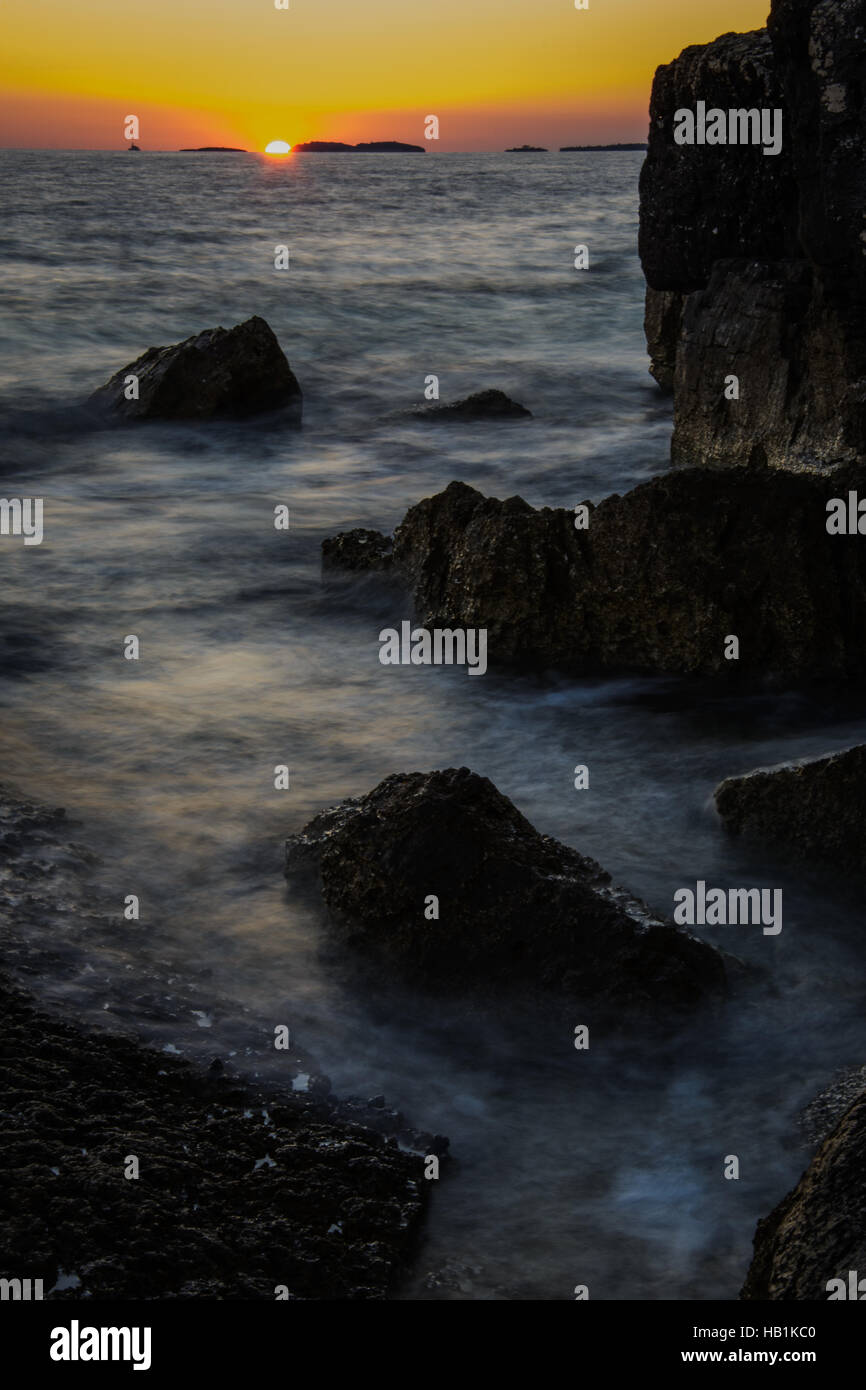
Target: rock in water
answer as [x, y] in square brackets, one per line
[816, 808]
[818, 1232]
[755, 263]
[516, 908]
[238, 371]
[656, 582]
[483, 405]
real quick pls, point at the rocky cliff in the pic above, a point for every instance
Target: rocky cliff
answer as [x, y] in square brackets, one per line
[756, 263]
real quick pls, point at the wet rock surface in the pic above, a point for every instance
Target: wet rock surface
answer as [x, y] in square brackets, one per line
[234, 372]
[815, 808]
[483, 405]
[766, 251]
[228, 1204]
[656, 583]
[516, 908]
[818, 1231]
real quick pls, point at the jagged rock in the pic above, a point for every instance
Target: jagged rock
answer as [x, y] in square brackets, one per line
[360, 549]
[768, 251]
[658, 581]
[517, 909]
[483, 405]
[753, 320]
[818, 1232]
[238, 371]
[816, 808]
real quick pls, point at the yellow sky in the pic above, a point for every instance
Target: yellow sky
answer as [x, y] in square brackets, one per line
[243, 72]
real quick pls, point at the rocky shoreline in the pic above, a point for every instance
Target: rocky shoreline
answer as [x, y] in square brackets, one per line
[726, 567]
[244, 1190]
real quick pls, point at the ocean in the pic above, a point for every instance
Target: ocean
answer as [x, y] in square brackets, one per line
[604, 1168]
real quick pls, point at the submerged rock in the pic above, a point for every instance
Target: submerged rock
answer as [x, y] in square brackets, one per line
[760, 256]
[657, 582]
[238, 372]
[516, 908]
[818, 1232]
[483, 405]
[815, 807]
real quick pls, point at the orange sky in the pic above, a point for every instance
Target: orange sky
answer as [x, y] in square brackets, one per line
[241, 72]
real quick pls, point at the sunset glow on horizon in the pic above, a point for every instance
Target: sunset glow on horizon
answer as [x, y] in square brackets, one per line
[231, 71]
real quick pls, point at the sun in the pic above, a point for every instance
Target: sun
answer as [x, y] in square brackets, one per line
[277, 147]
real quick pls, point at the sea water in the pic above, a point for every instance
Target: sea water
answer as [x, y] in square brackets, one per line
[605, 1167]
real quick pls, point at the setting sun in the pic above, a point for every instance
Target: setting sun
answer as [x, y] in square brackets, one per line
[277, 147]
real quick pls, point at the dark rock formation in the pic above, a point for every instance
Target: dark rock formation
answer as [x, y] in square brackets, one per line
[658, 581]
[483, 405]
[767, 252]
[526, 149]
[237, 372]
[360, 549]
[212, 149]
[816, 808]
[818, 1232]
[702, 203]
[517, 909]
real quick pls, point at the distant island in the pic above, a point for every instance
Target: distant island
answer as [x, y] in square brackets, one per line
[527, 149]
[564, 148]
[369, 147]
[213, 149]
